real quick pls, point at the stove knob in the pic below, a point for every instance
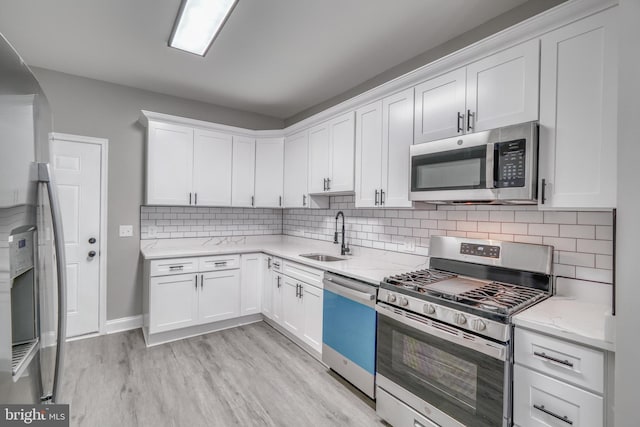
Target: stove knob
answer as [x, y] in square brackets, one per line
[404, 302]
[478, 325]
[460, 319]
[428, 309]
[391, 298]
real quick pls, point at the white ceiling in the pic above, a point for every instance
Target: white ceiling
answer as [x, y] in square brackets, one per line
[275, 57]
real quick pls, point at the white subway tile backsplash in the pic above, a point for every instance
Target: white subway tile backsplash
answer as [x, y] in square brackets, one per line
[582, 240]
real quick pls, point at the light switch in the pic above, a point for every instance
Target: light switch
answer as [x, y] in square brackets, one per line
[126, 230]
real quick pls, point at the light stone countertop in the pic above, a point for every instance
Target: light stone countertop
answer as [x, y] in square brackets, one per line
[368, 265]
[579, 312]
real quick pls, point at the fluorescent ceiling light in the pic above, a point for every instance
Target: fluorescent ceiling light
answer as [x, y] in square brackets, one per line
[198, 23]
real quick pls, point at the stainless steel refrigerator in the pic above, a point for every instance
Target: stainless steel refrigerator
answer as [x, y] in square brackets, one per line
[32, 265]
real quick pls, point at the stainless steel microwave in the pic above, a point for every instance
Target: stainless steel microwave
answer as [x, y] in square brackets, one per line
[496, 166]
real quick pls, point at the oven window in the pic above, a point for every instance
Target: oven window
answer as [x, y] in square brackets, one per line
[465, 384]
[451, 375]
[449, 170]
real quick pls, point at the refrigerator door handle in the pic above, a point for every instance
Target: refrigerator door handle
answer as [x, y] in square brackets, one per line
[45, 176]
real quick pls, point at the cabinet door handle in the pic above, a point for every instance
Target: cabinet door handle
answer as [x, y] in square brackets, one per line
[543, 191]
[195, 198]
[553, 359]
[541, 408]
[220, 263]
[328, 184]
[460, 122]
[279, 200]
[381, 196]
[278, 280]
[304, 200]
[376, 202]
[201, 281]
[469, 115]
[196, 282]
[189, 198]
[297, 290]
[252, 201]
[324, 188]
[300, 291]
[176, 267]
[268, 263]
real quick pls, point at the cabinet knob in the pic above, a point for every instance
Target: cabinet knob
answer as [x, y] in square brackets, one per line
[92, 240]
[91, 254]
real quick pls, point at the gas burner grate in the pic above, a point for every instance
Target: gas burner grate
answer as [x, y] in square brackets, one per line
[501, 298]
[418, 280]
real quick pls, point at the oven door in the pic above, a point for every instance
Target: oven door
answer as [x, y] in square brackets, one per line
[448, 375]
[453, 169]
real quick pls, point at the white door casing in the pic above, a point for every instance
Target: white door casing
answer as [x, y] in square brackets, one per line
[79, 165]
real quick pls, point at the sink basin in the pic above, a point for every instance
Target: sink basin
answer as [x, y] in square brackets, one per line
[322, 257]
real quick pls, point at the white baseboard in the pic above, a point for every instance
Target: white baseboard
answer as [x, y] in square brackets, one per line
[123, 324]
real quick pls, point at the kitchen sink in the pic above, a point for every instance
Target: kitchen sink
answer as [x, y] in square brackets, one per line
[322, 257]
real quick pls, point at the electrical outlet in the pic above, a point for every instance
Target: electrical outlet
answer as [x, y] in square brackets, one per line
[126, 230]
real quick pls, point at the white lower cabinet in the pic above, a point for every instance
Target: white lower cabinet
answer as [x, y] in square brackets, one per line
[173, 301]
[540, 400]
[219, 297]
[312, 317]
[293, 308]
[557, 382]
[250, 284]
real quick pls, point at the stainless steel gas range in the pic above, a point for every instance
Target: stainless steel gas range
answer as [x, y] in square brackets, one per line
[444, 354]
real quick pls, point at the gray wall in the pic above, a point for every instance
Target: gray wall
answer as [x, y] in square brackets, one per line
[94, 108]
[490, 27]
[628, 289]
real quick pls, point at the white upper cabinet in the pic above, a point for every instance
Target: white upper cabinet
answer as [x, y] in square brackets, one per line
[169, 164]
[331, 156]
[440, 106]
[502, 89]
[384, 133]
[319, 158]
[342, 148]
[269, 172]
[212, 153]
[242, 184]
[295, 170]
[368, 155]
[578, 115]
[397, 137]
[499, 90]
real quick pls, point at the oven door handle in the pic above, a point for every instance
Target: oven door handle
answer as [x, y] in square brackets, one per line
[447, 333]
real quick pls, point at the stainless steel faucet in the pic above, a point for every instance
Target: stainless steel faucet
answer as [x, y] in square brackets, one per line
[344, 250]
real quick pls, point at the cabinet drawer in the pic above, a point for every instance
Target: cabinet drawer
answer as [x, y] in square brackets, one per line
[165, 267]
[304, 273]
[567, 361]
[219, 262]
[539, 400]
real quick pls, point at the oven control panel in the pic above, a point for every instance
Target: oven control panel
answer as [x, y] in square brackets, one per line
[487, 251]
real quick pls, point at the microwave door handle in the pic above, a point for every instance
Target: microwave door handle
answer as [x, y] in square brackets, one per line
[490, 166]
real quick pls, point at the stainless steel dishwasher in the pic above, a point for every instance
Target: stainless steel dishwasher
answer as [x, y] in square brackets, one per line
[349, 330]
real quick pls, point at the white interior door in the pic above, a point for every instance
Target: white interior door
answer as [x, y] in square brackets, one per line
[78, 170]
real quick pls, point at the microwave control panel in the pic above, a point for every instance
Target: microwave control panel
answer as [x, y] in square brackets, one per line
[509, 163]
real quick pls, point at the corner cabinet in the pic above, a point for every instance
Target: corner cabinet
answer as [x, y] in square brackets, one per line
[384, 133]
[331, 156]
[499, 90]
[296, 167]
[269, 175]
[182, 162]
[578, 114]
[243, 182]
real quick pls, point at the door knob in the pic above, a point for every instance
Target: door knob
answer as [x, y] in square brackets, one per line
[92, 254]
[92, 240]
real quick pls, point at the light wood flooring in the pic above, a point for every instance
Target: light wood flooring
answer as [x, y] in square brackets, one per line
[246, 376]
